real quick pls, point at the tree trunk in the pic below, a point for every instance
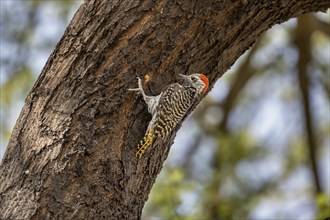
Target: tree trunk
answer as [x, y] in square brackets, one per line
[72, 152]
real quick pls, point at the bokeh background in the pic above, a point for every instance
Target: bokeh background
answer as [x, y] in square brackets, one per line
[257, 147]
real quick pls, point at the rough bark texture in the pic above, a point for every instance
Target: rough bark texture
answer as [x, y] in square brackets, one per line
[72, 151]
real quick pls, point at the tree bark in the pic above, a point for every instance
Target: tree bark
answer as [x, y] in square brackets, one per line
[72, 152]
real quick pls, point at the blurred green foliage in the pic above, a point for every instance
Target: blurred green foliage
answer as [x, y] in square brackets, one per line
[323, 205]
[16, 86]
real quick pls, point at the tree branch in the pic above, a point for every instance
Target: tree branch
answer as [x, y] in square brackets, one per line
[303, 43]
[72, 152]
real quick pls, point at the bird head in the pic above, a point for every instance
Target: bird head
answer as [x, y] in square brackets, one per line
[198, 80]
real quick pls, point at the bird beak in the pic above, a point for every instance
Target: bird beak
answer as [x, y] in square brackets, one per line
[183, 76]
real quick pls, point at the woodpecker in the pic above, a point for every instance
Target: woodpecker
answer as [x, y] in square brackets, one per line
[169, 107]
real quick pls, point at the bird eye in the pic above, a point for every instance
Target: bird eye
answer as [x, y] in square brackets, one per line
[194, 79]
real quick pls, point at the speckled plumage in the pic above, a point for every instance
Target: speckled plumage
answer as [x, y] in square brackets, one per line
[170, 107]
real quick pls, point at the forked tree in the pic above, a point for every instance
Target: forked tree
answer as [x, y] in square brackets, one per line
[72, 152]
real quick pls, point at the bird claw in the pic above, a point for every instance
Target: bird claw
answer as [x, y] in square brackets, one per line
[139, 83]
[140, 89]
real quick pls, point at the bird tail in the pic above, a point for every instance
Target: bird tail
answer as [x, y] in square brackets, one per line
[145, 143]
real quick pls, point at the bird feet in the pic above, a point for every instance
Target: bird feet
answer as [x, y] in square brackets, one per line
[140, 89]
